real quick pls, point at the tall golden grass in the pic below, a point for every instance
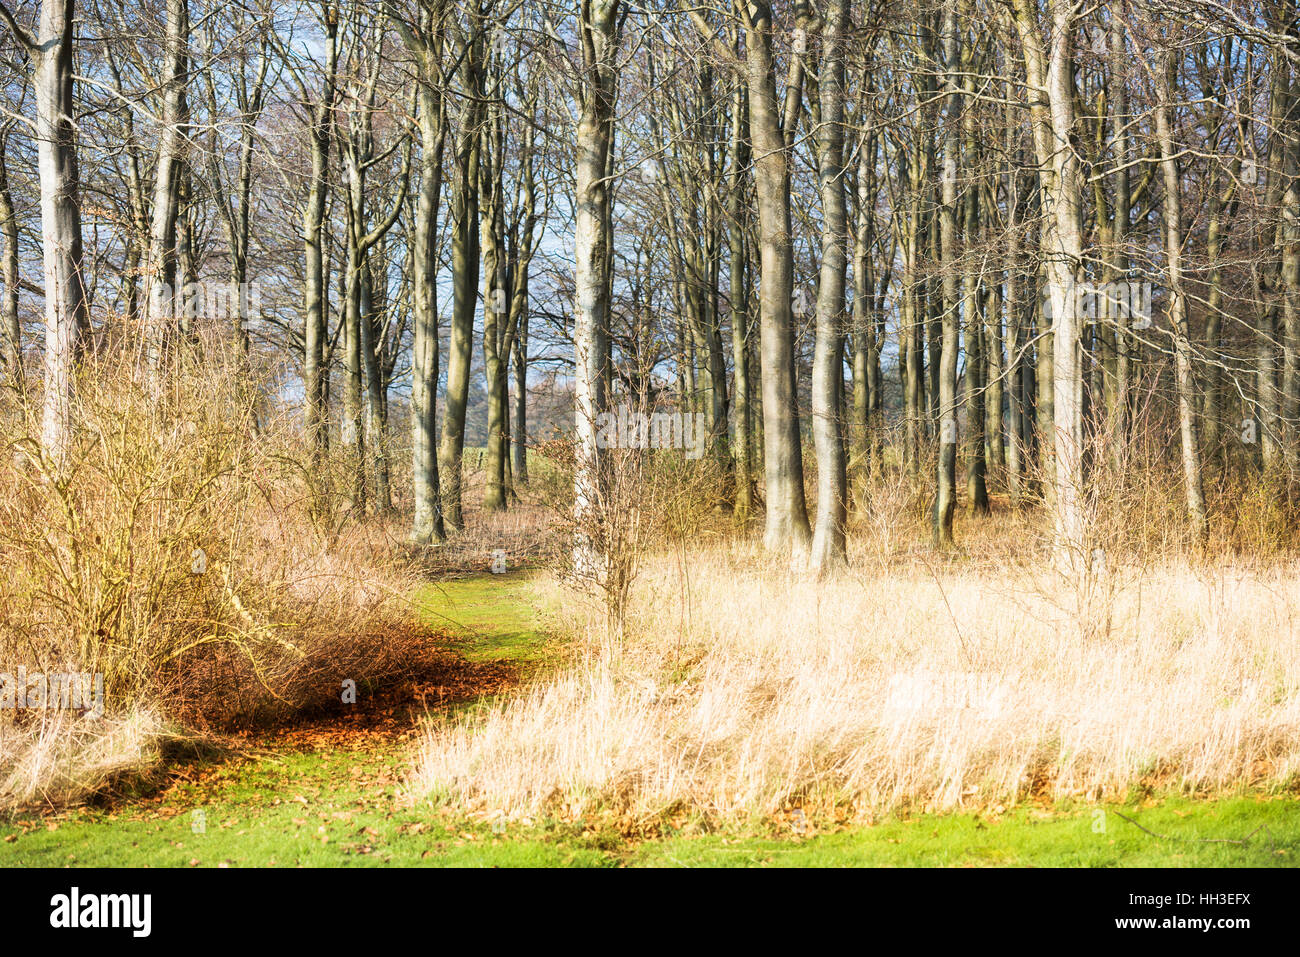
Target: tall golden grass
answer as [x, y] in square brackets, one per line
[742, 689]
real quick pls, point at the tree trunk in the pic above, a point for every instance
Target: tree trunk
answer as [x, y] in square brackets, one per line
[66, 322]
[162, 295]
[828, 544]
[866, 350]
[1173, 223]
[424, 39]
[977, 495]
[353, 426]
[465, 256]
[786, 528]
[427, 522]
[10, 327]
[1122, 400]
[496, 310]
[1017, 414]
[526, 247]
[598, 29]
[315, 307]
[739, 295]
[1050, 77]
[945, 497]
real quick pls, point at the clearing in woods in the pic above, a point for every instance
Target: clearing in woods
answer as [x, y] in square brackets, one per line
[328, 792]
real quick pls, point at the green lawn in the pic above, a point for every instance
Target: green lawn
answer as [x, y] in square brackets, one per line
[327, 803]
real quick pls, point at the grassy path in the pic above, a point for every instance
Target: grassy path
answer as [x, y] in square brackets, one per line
[331, 796]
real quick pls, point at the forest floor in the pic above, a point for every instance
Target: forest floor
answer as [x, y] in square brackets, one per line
[329, 792]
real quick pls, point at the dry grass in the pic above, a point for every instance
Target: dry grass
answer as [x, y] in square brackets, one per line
[741, 689]
[64, 758]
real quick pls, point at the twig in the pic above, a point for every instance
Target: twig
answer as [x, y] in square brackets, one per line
[1201, 840]
[956, 627]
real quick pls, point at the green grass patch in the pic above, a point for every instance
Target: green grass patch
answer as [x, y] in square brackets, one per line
[496, 615]
[1060, 836]
[315, 808]
[345, 808]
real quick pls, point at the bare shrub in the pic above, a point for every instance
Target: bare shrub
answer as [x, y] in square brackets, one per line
[645, 498]
[181, 553]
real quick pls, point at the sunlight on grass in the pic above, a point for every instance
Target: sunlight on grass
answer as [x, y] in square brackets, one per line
[499, 616]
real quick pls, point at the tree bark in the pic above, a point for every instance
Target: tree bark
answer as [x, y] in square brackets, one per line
[1173, 230]
[162, 296]
[424, 39]
[786, 527]
[66, 320]
[945, 498]
[315, 307]
[739, 296]
[599, 28]
[1051, 90]
[10, 327]
[828, 543]
[465, 257]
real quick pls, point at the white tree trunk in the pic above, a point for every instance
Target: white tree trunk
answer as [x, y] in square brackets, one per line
[598, 28]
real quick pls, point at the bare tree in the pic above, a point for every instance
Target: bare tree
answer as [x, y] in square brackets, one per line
[828, 544]
[787, 528]
[67, 323]
[599, 29]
